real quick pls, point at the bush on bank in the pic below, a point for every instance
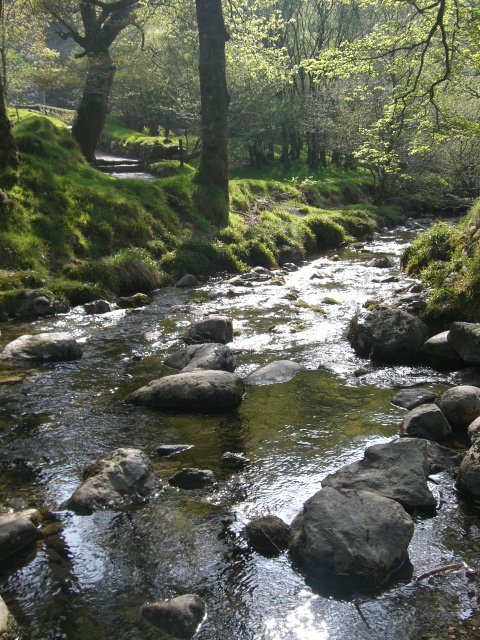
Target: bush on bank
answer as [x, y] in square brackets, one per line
[83, 234]
[447, 258]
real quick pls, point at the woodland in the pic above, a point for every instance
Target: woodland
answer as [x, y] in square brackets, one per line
[382, 92]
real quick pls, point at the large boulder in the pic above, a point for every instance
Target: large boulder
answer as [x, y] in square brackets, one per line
[192, 391]
[440, 353]
[274, 372]
[211, 329]
[203, 356]
[397, 470]
[43, 347]
[461, 405]
[17, 531]
[426, 421]
[355, 538]
[179, 617]
[465, 339]
[268, 534]
[387, 335]
[122, 477]
[468, 478]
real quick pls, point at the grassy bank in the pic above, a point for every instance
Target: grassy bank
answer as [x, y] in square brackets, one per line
[447, 259]
[83, 234]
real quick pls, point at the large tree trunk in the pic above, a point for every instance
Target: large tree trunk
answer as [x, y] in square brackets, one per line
[92, 110]
[213, 168]
[8, 149]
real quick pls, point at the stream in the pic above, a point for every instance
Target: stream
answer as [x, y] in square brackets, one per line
[91, 574]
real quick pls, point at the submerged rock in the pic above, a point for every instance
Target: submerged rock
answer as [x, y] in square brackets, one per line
[426, 421]
[193, 479]
[387, 335]
[123, 477]
[397, 470]
[179, 617]
[17, 531]
[274, 372]
[352, 537]
[192, 391]
[461, 405]
[268, 534]
[211, 329]
[203, 356]
[43, 347]
[167, 450]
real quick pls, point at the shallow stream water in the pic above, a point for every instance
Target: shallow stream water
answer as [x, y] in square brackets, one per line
[91, 574]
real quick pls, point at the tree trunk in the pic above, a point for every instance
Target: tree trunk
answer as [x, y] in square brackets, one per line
[8, 149]
[92, 110]
[213, 167]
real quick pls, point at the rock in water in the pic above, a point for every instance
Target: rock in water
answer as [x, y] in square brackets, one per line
[268, 534]
[121, 478]
[352, 538]
[461, 405]
[397, 470]
[193, 479]
[179, 617]
[203, 356]
[187, 281]
[465, 339]
[387, 335]
[411, 398]
[43, 347]
[426, 421]
[274, 373]
[210, 329]
[192, 391]
[18, 530]
[468, 478]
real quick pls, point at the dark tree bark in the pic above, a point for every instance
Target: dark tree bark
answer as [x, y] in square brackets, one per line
[93, 107]
[102, 22]
[213, 168]
[9, 158]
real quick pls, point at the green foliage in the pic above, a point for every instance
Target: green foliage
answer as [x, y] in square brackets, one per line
[127, 272]
[440, 243]
[199, 256]
[328, 233]
[447, 258]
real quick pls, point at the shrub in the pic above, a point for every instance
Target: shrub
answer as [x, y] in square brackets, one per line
[328, 234]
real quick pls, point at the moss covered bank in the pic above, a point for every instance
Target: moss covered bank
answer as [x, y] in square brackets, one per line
[68, 228]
